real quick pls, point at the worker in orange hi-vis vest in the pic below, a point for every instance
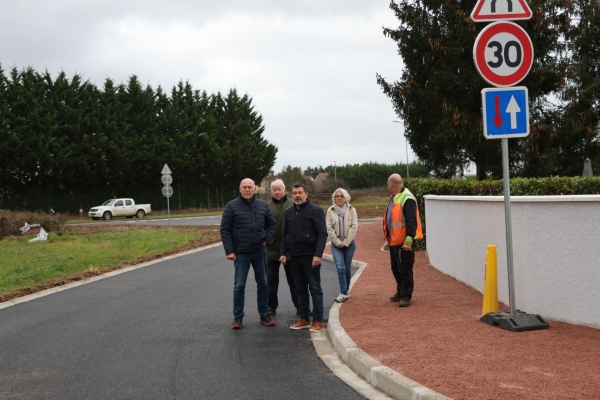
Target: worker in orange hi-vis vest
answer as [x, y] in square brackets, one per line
[401, 226]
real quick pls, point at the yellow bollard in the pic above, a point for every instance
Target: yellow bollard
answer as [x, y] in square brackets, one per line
[490, 284]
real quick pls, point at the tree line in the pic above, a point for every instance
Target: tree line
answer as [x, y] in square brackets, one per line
[66, 136]
[439, 93]
[351, 176]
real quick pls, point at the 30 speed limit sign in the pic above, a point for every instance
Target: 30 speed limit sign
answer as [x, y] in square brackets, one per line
[503, 53]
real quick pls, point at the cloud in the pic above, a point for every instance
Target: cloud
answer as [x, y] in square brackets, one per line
[309, 66]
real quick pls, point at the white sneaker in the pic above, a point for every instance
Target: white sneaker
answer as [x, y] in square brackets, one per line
[341, 298]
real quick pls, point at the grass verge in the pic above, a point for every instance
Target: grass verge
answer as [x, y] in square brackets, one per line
[29, 267]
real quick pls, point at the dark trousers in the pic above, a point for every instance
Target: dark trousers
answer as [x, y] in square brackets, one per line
[308, 278]
[402, 267]
[273, 283]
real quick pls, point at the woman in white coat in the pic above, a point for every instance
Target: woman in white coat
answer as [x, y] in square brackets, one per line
[342, 224]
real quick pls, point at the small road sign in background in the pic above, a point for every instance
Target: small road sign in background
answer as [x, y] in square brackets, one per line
[167, 191]
[166, 179]
[505, 112]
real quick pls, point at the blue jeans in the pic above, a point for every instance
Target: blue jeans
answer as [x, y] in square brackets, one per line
[308, 278]
[343, 264]
[242, 267]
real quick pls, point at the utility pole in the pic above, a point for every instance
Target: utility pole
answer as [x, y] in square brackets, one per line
[335, 173]
[407, 173]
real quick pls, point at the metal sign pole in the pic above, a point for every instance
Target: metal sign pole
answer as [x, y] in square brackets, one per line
[508, 223]
[168, 207]
[516, 321]
[505, 114]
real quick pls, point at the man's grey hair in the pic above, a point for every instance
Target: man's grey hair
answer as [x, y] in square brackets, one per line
[242, 181]
[344, 193]
[278, 182]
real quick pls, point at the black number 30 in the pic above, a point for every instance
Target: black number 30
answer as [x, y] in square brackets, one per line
[498, 54]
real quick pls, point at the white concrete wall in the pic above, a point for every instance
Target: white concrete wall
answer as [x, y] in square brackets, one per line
[556, 250]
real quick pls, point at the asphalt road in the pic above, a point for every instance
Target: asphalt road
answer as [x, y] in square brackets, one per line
[161, 332]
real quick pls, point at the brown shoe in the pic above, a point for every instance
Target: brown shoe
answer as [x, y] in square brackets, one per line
[272, 312]
[237, 323]
[404, 303]
[317, 326]
[301, 324]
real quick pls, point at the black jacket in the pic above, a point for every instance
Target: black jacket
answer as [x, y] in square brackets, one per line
[305, 231]
[246, 225]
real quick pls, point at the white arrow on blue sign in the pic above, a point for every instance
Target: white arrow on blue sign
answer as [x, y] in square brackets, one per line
[505, 112]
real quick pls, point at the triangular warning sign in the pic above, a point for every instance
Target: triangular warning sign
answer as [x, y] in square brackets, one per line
[166, 170]
[500, 10]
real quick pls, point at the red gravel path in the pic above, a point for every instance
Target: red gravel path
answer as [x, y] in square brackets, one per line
[439, 341]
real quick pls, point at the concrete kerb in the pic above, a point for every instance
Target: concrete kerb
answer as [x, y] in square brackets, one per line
[379, 376]
[47, 292]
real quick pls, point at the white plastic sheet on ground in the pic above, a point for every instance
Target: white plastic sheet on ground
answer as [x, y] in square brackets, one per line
[41, 236]
[27, 227]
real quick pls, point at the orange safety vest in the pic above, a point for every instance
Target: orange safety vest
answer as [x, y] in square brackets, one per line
[398, 228]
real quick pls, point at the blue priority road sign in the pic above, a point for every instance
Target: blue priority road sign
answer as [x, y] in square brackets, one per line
[505, 112]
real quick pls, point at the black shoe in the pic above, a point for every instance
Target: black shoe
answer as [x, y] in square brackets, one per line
[237, 323]
[267, 320]
[272, 311]
[404, 303]
[395, 297]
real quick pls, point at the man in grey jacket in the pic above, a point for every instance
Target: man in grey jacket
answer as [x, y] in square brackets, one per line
[278, 204]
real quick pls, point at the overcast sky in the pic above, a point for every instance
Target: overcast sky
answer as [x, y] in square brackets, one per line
[308, 65]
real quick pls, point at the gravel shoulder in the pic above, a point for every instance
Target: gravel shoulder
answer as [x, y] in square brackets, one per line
[439, 341]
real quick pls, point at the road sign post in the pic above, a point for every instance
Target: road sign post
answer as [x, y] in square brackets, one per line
[503, 55]
[167, 190]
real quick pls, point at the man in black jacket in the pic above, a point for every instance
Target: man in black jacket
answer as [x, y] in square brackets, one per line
[304, 238]
[247, 226]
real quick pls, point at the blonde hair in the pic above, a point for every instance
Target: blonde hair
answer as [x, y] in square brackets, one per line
[344, 193]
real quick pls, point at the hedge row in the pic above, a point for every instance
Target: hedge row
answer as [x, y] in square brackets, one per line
[518, 187]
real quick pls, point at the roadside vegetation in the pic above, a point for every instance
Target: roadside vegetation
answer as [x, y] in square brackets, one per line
[80, 252]
[12, 221]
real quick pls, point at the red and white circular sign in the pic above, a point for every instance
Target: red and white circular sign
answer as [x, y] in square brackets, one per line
[503, 53]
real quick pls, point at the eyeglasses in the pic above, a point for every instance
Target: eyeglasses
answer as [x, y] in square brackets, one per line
[339, 196]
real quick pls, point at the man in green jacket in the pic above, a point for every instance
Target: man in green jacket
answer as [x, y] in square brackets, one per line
[278, 204]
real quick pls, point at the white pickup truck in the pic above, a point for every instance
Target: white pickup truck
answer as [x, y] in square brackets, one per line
[119, 208]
